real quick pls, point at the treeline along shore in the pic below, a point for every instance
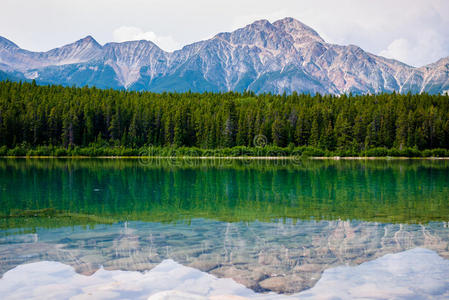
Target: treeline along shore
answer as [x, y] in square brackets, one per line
[69, 121]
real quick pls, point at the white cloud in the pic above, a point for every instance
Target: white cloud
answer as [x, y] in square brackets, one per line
[398, 49]
[131, 33]
[416, 51]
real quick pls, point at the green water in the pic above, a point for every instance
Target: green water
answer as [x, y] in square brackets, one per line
[130, 214]
[173, 190]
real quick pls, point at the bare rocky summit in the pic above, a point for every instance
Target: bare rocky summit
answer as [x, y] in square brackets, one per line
[283, 56]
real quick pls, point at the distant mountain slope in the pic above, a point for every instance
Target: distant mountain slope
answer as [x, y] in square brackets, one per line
[283, 56]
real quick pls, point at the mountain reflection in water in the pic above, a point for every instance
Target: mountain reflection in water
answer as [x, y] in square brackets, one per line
[271, 226]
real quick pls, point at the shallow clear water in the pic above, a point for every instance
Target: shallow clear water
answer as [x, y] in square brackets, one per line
[273, 226]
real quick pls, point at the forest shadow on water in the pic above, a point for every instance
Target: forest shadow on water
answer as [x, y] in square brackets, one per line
[171, 190]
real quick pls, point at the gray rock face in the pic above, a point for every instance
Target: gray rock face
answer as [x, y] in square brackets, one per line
[283, 56]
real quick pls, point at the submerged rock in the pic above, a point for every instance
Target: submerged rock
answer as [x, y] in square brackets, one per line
[261, 256]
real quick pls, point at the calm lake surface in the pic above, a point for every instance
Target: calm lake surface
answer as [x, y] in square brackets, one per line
[276, 228]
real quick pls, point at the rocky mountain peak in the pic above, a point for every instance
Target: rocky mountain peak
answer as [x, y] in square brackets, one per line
[87, 41]
[283, 56]
[261, 34]
[300, 32]
[260, 25]
[5, 43]
[294, 23]
[131, 51]
[132, 44]
[442, 62]
[80, 51]
[83, 45]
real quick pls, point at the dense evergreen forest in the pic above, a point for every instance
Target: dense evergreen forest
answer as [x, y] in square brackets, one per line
[56, 120]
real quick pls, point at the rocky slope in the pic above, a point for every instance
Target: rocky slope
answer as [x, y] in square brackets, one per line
[263, 57]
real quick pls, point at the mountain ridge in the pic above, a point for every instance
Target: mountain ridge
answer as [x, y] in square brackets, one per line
[283, 56]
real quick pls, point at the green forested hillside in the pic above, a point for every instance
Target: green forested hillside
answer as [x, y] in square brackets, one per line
[33, 116]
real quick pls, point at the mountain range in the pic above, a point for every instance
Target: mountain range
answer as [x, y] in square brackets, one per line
[283, 56]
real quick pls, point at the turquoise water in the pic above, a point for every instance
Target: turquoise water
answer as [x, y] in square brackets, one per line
[273, 226]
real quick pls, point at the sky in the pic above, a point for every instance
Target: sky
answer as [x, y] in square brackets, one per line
[413, 31]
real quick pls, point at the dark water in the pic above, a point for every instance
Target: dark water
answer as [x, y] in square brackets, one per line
[269, 225]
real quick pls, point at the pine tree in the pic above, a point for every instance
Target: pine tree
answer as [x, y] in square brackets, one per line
[314, 133]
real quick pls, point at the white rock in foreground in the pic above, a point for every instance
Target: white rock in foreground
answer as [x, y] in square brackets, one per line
[417, 274]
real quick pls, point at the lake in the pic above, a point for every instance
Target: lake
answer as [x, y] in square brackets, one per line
[192, 228]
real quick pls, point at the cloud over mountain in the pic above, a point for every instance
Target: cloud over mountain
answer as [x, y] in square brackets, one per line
[131, 33]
